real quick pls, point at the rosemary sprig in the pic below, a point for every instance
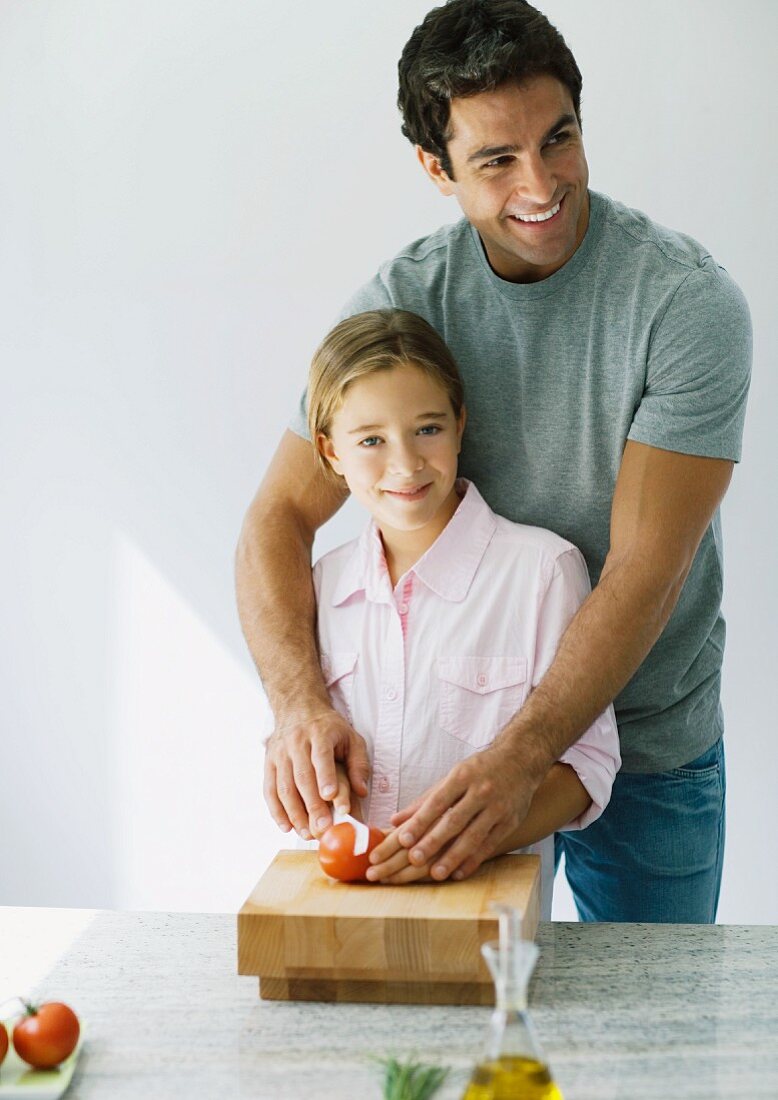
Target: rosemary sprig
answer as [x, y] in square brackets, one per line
[411, 1080]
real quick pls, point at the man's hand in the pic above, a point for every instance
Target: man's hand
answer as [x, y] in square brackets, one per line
[300, 771]
[462, 820]
[344, 801]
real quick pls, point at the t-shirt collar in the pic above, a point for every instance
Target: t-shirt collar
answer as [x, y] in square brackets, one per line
[447, 567]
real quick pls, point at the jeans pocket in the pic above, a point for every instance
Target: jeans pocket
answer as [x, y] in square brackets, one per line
[479, 695]
[702, 767]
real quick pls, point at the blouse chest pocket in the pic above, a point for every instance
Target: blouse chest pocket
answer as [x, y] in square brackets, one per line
[338, 670]
[479, 695]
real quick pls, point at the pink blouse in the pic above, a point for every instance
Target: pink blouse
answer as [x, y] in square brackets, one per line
[431, 670]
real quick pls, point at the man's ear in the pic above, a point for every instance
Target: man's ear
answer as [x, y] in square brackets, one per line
[435, 171]
[325, 448]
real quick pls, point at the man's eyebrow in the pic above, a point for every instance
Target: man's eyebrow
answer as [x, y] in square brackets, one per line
[487, 152]
[377, 427]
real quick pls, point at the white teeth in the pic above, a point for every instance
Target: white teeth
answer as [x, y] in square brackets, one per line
[538, 217]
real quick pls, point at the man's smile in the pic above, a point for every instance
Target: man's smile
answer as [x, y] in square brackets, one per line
[538, 219]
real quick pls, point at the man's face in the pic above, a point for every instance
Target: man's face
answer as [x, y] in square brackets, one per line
[518, 152]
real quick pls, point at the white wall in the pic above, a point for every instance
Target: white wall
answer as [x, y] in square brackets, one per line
[189, 192]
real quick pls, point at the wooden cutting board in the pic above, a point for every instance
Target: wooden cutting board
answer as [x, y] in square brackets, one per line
[309, 937]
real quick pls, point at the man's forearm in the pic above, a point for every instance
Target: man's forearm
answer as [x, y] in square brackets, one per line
[277, 610]
[602, 648]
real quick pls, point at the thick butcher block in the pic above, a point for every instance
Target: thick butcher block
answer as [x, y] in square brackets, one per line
[308, 937]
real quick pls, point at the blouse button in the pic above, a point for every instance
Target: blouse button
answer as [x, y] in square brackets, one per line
[383, 785]
[403, 608]
[391, 693]
[481, 680]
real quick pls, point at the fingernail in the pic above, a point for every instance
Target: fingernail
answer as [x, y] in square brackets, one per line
[406, 839]
[305, 834]
[417, 855]
[322, 822]
[458, 875]
[328, 792]
[440, 870]
[371, 874]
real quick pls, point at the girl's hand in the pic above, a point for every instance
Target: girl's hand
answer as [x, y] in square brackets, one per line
[390, 864]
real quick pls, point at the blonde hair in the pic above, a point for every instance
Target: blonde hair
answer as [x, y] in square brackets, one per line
[377, 340]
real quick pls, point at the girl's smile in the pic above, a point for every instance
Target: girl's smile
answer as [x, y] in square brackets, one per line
[409, 495]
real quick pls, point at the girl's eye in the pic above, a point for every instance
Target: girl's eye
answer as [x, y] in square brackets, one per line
[370, 441]
[430, 429]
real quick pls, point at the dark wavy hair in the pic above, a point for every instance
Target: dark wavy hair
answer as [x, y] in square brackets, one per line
[471, 46]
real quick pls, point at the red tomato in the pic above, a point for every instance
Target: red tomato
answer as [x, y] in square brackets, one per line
[46, 1035]
[336, 852]
[3, 1042]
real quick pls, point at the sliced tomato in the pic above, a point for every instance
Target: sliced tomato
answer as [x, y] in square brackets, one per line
[336, 852]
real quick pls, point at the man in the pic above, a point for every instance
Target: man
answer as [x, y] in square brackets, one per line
[606, 365]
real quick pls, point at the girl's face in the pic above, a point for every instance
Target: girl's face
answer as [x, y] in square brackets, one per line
[395, 440]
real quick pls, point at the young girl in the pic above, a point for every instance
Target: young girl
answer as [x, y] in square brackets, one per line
[436, 623]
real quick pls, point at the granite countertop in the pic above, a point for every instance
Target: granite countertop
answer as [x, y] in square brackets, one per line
[628, 1012]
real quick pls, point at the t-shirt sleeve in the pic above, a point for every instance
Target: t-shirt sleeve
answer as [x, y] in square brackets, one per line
[698, 370]
[373, 295]
[595, 756]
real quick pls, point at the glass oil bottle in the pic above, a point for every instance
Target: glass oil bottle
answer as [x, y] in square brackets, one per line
[513, 1067]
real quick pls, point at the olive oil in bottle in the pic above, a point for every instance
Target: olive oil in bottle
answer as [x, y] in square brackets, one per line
[513, 1067]
[512, 1078]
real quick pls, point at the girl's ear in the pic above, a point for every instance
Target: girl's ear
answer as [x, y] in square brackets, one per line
[324, 445]
[461, 421]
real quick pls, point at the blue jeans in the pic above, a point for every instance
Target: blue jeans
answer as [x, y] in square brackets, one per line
[656, 853]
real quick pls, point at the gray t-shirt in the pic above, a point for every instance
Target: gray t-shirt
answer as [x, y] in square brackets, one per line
[642, 336]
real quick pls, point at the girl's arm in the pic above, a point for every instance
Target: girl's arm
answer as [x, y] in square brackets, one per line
[559, 799]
